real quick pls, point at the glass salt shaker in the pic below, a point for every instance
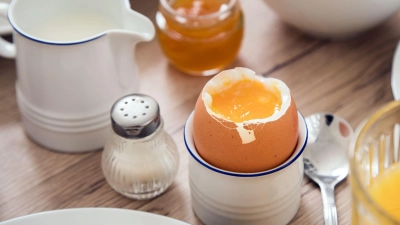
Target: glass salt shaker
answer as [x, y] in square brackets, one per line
[140, 160]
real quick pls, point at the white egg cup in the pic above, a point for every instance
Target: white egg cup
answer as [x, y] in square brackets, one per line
[221, 197]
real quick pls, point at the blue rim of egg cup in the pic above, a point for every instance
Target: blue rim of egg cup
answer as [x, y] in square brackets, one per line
[202, 162]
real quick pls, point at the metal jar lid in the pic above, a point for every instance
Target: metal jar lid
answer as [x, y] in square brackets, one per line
[135, 116]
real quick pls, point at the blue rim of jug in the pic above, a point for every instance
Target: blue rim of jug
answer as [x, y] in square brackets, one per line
[257, 174]
[54, 43]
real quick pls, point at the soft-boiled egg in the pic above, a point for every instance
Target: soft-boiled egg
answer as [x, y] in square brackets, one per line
[244, 122]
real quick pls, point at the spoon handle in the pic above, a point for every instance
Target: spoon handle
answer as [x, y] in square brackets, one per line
[328, 199]
[330, 214]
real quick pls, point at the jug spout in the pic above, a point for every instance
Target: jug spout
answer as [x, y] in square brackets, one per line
[138, 24]
[122, 42]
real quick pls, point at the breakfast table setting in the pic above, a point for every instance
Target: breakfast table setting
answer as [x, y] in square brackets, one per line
[65, 107]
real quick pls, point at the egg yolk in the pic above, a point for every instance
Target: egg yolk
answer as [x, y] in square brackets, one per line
[246, 100]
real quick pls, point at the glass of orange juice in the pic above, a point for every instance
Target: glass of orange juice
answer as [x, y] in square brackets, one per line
[200, 37]
[375, 168]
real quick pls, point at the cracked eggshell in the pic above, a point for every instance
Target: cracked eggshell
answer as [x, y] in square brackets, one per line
[252, 146]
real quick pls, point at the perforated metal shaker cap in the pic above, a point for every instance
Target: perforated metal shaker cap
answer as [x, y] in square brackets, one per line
[135, 116]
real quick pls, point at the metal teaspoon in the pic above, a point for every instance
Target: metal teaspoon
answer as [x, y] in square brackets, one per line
[325, 157]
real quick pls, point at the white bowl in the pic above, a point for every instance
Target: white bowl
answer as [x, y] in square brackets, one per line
[221, 197]
[335, 19]
[396, 73]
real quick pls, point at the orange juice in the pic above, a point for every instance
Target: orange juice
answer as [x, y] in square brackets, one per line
[385, 191]
[200, 37]
[375, 169]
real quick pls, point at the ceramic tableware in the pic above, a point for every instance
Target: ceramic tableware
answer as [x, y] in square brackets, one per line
[5, 27]
[396, 73]
[90, 216]
[74, 59]
[334, 19]
[221, 197]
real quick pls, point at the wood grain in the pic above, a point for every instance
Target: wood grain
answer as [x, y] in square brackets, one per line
[350, 78]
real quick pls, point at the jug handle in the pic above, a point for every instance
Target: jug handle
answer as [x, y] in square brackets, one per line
[7, 49]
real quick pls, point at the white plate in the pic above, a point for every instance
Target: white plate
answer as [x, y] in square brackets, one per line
[93, 216]
[396, 73]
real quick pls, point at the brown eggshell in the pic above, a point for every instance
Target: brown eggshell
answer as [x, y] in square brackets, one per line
[221, 146]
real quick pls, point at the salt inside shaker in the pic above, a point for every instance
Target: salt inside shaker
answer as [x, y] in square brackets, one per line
[140, 160]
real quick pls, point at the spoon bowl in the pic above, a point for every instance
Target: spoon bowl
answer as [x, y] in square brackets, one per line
[325, 157]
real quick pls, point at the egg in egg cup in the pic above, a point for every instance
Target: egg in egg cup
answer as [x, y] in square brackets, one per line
[223, 196]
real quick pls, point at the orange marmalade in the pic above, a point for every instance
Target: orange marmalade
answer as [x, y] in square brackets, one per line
[200, 37]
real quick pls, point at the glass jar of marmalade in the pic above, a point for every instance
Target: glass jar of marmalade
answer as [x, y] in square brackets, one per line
[200, 37]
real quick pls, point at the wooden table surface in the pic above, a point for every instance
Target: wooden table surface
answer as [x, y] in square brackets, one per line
[350, 78]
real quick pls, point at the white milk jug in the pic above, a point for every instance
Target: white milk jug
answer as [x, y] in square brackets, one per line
[74, 59]
[5, 27]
